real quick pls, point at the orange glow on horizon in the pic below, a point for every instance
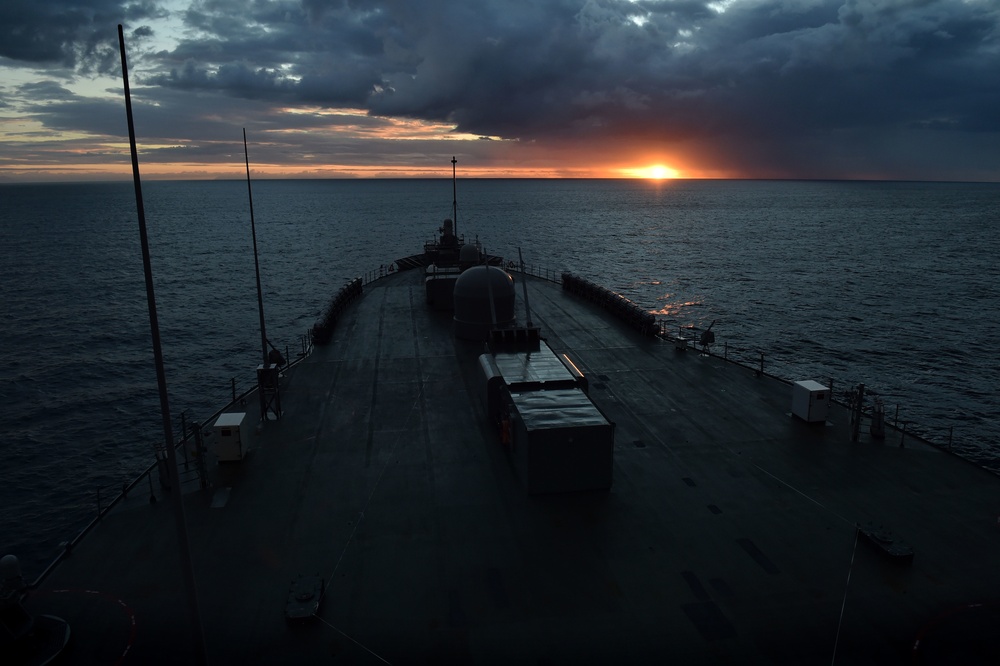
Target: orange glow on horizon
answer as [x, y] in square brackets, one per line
[469, 167]
[653, 172]
[122, 170]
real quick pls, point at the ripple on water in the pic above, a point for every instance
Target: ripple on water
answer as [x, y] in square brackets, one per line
[888, 284]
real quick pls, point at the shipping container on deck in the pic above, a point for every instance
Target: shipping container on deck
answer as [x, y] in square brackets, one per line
[525, 370]
[560, 441]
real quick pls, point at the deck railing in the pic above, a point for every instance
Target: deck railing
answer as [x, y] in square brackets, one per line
[682, 336]
[108, 497]
[686, 336]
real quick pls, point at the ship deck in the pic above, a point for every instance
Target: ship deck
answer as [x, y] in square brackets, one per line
[728, 534]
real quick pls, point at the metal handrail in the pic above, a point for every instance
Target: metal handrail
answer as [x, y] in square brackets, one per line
[536, 271]
[754, 360]
[102, 511]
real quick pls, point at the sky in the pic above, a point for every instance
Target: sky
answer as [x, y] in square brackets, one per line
[810, 89]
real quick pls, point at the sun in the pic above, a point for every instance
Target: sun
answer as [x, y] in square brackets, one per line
[654, 172]
[659, 172]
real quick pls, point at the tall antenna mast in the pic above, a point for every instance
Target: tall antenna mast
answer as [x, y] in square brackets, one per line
[256, 262]
[454, 196]
[267, 377]
[161, 381]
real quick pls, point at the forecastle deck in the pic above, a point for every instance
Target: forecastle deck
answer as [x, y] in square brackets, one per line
[728, 533]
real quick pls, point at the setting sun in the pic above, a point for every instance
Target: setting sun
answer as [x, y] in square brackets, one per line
[655, 172]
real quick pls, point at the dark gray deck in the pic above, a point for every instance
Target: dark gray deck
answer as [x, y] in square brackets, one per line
[728, 534]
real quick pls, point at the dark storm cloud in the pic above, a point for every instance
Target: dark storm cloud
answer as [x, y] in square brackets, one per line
[47, 90]
[316, 53]
[77, 35]
[211, 138]
[584, 68]
[773, 77]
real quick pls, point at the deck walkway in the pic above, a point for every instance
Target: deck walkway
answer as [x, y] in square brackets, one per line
[728, 534]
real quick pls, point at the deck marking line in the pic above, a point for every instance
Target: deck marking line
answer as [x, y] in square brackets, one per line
[374, 654]
[847, 586]
[791, 487]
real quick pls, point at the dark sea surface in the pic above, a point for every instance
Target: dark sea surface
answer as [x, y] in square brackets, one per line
[892, 284]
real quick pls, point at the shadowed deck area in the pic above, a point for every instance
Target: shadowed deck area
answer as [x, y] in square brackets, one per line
[728, 534]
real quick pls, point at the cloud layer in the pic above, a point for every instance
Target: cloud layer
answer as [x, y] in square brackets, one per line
[792, 88]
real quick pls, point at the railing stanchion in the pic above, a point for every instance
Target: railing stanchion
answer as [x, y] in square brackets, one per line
[184, 435]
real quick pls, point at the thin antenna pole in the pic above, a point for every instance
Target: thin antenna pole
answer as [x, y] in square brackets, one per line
[489, 284]
[454, 196]
[161, 381]
[524, 284]
[256, 266]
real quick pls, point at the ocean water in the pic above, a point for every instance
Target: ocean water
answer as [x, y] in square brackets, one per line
[892, 284]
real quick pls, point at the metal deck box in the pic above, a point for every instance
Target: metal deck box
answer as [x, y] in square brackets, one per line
[232, 433]
[521, 371]
[810, 401]
[560, 441]
[439, 285]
